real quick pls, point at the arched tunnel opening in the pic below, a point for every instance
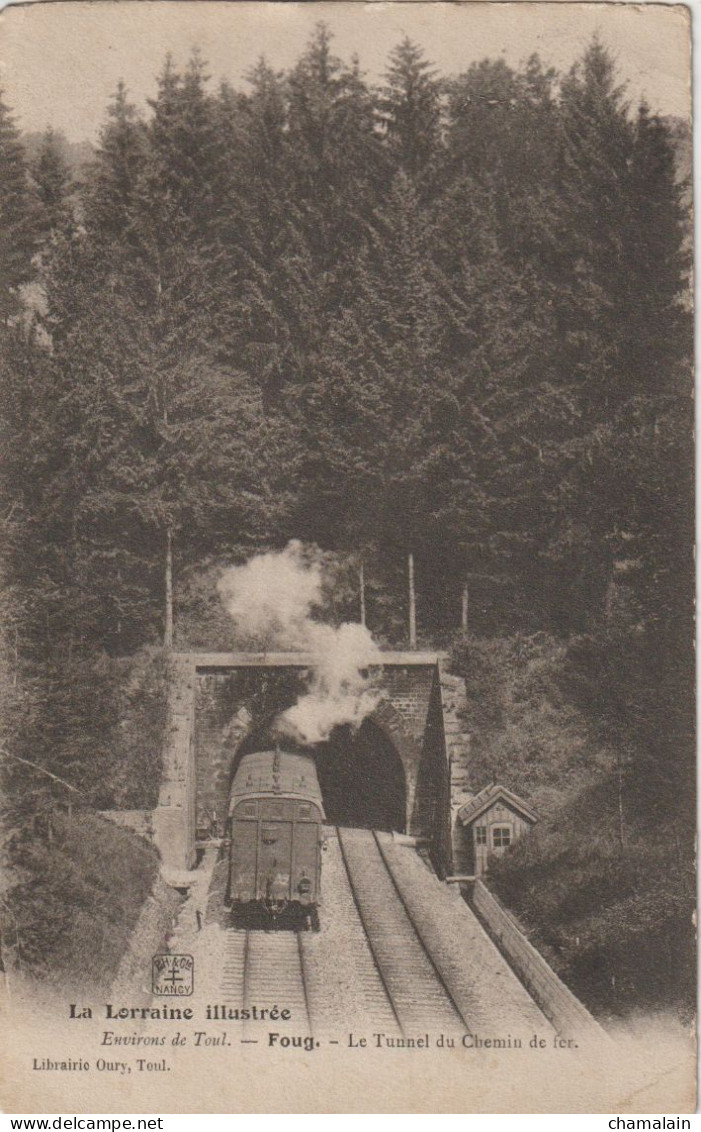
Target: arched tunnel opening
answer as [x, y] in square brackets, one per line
[362, 779]
[360, 773]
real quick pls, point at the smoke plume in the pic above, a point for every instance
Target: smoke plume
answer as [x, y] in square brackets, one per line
[271, 599]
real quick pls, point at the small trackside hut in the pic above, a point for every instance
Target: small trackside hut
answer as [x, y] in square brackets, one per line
[274, 835]
[491, 821]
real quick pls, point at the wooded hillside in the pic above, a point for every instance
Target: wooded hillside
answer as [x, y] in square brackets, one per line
[604, 884]
[449, 316]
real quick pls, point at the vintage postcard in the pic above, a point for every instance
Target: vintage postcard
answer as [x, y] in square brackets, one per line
[347, 667]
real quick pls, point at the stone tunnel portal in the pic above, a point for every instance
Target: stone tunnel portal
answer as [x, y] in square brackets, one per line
[393, 774]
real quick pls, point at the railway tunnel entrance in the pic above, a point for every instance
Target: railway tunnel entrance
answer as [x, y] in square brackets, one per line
[392, 775]
[362, 779]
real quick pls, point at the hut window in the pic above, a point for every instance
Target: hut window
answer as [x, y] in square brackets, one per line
[501, 836]
[480, 835]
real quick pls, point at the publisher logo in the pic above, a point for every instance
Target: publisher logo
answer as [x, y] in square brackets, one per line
[173, 975]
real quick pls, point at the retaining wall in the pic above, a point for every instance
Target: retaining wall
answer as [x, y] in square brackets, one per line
[569, 1016]
[132, 983]
[139, 821]
[457, 741]
[174, 816]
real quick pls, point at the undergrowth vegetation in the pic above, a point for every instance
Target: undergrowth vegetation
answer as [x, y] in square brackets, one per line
[592, 738]
[82, 885]
[78, 881]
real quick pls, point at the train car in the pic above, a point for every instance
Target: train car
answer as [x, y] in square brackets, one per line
[274, 835]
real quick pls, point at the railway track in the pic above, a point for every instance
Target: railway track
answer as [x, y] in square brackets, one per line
[479, 981]
[395, 954]
[265, 970]
[419, 996]
[345, 988]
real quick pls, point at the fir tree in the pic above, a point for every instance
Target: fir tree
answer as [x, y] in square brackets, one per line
[501, 131]
[616, 201]
[377, 377]
[595, 154]
[18, 238]
[336, 163]
[410, 108]
[655, 326]
[114, 176]
[53, 185]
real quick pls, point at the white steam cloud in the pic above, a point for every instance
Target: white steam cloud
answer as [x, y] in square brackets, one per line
[271, 599]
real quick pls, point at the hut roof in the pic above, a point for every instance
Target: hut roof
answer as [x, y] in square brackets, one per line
[487, 798]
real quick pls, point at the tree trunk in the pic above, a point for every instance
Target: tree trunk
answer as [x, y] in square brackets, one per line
[362, 594]
[412, 604]
[465, 605]
[621, 820]
[168, 629]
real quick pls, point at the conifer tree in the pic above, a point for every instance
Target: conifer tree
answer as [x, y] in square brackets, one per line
[113, 177]
[336, 163]
[620, 344]
[655, 326]
[159, 427]
[53, 186]
[273, 307]
[410, 109]
[492, 467]
[375, 384]
[595, 154]
[501, 132]
[18, 231]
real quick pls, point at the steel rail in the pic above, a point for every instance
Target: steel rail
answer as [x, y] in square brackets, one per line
[363, 921]
[420, 938]
[303, 976]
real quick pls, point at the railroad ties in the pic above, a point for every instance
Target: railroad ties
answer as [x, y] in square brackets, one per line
[263, 970]
[413, 985]
[398, 953]
[485, 990]
[346, 988]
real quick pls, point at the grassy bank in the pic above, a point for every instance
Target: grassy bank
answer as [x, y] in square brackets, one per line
[91, 732]
[79, 894]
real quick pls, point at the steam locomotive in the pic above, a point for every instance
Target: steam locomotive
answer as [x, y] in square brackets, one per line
[274, 836]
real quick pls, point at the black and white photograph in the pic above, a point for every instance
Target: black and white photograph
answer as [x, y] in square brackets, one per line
[347, 666]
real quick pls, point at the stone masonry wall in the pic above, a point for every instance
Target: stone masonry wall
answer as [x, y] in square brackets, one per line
[457, 738]
[408, 689]
[216, 704]
[228, 706]
[173, 818]
[231, 703]
[568, 1015]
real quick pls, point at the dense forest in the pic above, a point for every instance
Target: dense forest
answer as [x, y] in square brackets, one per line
[445, 315]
